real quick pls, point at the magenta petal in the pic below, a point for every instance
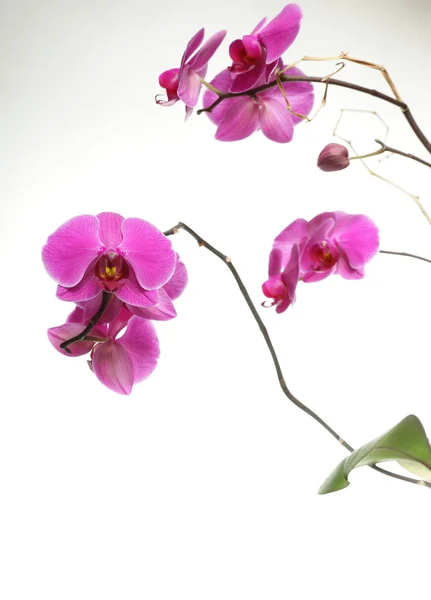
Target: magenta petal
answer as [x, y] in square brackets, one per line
[345, 269]
[259, 26]
[132, 293]
[189, 87]
[281, 32]
[276, 121]
[149, 252]
[176, 284]
[290, 278]
[76, 316]
[275, 262]
[164, 310]
[86, 289]
[358, 239]
[192, 45]
[110, 229]
[295, 233]
[240, 121]
[313, 276]
[113, 366]
[201, 58]
[119, 322]
[71, 248]
[142, 345]
[321, 226]
[58, 335]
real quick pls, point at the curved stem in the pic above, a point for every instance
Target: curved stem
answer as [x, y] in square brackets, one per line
[428, 260]
[330, 81]
[273, 353]
[385, 148]
[93, 321]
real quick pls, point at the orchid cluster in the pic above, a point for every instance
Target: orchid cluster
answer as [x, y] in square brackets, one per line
[256, 61]
[125, 272]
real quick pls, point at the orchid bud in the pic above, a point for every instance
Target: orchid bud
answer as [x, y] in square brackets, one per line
[333, 157]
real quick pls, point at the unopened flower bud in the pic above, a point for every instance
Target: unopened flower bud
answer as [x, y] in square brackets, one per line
[333, 157]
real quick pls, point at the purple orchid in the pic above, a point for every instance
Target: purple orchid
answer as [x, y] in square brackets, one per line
[117, 363]
[237, 118]
[184, 83]
[258, 53]
[332, 242]
[282, 282]
[129, 258]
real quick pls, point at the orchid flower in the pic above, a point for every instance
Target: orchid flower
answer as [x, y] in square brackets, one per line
[117, 363]
[129, 258]
[184, 83]
[332, 242]
[264, 46]
[237, 118]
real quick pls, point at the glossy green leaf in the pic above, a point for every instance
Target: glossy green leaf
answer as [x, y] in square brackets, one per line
[405, 443]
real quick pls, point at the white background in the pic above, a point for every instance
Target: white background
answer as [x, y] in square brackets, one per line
[203, 483]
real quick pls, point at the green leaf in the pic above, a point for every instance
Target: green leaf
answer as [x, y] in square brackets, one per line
[406, 443]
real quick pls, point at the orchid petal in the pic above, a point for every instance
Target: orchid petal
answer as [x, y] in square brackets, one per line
[177, 283]
[71, 248]
[149, 253]
[113, 366]
[110, 229]
[142, 346]
[275, 262]
[189, 86]
[192, 45]
[119, 322]
[359, 239]
[259, 26]
[201, 58]
[281, 32]
[163, 311]
[132, 293]
[240, 121]
[276, 121]
[87, 288]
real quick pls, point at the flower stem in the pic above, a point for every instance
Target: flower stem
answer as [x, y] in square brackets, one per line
[281, 380]
[93, 321]
[330, 81]
[405, 254]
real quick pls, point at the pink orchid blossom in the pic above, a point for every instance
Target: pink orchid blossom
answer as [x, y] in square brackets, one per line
[238, 118]
[117, 363]
[264, 46]
[281, 285]
[332, 242]
[184, 83]
[129, 258]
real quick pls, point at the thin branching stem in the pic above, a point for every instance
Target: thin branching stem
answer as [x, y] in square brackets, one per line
[264, 331]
